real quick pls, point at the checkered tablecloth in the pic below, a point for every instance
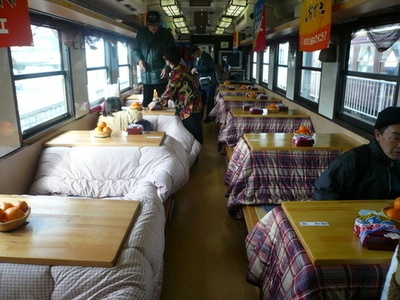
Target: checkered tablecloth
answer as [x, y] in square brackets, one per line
[263, 177]
[234, 127]
[280, 266]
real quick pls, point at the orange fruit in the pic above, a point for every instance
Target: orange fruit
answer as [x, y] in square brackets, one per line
[98, 129]
[393, 213]
[303, 128]
[396, 203]
[6, 205]
[13, 213]
[101, 124]
[106, 129]
[1, 215]
[22, 205]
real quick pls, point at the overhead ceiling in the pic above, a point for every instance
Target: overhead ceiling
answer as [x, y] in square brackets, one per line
[130, 12]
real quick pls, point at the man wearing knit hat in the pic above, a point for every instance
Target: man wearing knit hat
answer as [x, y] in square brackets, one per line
[148, 47]
[369, 171]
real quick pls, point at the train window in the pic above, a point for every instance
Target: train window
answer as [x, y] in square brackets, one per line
[40, 81]
[254, 67]
[123, 66]
[371, 78]
[265, 66]
[310, 76]
[96, 68]
[282, 67]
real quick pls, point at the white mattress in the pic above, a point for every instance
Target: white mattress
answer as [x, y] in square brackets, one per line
[98, 172]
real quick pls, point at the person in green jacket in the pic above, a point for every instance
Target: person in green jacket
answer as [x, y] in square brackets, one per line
[148, 48]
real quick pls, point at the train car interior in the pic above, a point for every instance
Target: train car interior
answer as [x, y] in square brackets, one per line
[160, 215]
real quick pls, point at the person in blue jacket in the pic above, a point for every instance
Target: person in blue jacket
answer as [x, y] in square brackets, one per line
[204, 67]
[370, 171]
[148, 48]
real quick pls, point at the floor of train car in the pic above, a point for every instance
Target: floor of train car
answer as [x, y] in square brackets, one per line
[205, 255]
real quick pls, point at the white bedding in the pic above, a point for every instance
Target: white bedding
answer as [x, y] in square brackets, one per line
[98, 172]
[138, 273]
[173, 126]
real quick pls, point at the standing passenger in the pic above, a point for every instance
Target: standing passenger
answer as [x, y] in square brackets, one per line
[205, 68]
[148, 52]
[369, 171]
[184, 91]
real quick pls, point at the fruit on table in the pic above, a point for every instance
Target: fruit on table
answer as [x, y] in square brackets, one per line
[396, 203]
[272, 106]
[226, 82]
[251, 94]
[102, 127]
[393, 213]
[136, 105]
[10, 212]
[303, 130]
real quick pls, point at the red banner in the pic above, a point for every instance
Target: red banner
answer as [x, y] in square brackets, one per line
[15, 25]
[315, 25]
[260, 40]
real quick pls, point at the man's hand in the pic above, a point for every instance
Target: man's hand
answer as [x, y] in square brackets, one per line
[142, 65]
[164, 74]
[194, 71]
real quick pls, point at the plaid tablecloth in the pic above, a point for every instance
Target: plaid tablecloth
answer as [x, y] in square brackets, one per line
[234, 127]
[222, 106]
[263, 177]
[280, 266]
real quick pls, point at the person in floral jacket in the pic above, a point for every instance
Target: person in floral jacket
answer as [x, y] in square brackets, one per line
[184, 91]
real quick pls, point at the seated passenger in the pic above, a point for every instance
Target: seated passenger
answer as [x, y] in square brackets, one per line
[370, 171]
[116, 118]
[184, 91]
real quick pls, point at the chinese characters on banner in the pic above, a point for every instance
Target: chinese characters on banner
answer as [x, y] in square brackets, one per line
[15, 27]
[315, 25]
[259, 42]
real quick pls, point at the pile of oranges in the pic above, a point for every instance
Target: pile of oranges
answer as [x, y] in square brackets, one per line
[272, 106]
[136, 105]
[10, 212]
[102, 127]
[303, 130]
[394, 212]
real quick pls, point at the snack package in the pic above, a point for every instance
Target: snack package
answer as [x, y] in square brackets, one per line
[304, 140]
[376, 232]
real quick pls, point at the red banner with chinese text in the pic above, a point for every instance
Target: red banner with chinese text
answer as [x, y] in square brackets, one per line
[260, 40]
[15, 25]
[315, 25]
[235, 41]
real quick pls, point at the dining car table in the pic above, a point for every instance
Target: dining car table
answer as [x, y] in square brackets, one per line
[224, 103]
[267, 168]
[74, 138]
[315, 261]
[239, 121]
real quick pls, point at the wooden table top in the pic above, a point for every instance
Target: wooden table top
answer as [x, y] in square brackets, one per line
[335, 244]
[247, 99]
[292, 113]
[165, 111]
[69, 231]
[75, 138]
[283, 141]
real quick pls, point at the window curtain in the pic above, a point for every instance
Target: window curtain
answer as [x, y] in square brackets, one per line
[383, 37]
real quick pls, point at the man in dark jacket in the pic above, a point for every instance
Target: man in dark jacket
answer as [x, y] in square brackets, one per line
[370, 171]
[148, 52]
[205, 69]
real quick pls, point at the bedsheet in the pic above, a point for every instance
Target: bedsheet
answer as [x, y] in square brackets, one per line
[174, 128]
[265, 177]
[279, 265]
[138, 273]
[98, 172]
